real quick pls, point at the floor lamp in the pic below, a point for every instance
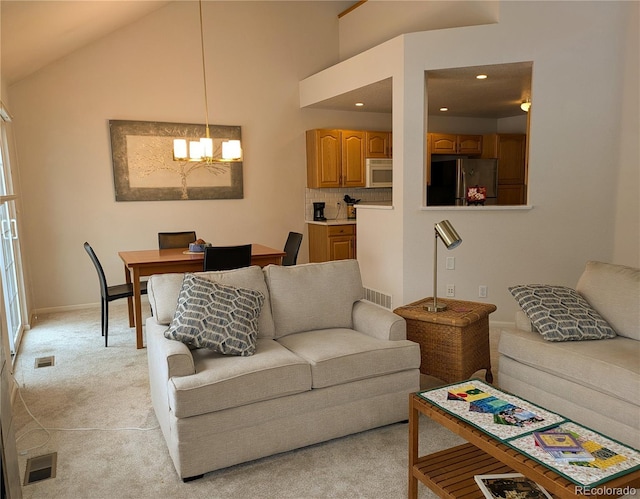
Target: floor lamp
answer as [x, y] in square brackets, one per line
[450, 239]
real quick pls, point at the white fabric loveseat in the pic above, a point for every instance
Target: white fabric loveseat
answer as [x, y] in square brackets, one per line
[326, 364]
[594, 382]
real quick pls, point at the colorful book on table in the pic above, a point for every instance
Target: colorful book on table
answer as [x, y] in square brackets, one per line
[557, 441]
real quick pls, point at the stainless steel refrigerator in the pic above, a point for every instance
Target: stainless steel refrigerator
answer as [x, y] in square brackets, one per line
[452, 177]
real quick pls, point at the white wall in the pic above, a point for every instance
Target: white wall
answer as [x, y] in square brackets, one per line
[375, 22]
[627, 217]
[583, 166]
[151, 71]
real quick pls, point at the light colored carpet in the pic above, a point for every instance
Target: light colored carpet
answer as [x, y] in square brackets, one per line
[91, 386]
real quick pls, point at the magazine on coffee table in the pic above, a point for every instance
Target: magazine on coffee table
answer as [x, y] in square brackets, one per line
[510, 486]
[499, 414]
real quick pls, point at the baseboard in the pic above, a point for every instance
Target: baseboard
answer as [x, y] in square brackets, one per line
[82, 306]
[502, 324]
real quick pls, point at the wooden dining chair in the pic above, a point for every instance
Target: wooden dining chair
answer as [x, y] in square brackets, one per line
[110, 293]
[168, 240]
[291, 248]
[227, 257]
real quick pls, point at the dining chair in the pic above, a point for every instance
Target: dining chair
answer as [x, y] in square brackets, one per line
[168, 240]
[110, 293]
[227, 257]
[291, 248]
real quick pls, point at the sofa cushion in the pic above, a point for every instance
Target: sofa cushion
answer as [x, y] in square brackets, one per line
[212, 315]
[559, 313]
[313, 296]
[613, 290]
[164, 290]
[343, 355]
[222, 382]
[607, 366]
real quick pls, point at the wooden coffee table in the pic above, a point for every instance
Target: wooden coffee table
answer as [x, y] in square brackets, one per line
[449, 473]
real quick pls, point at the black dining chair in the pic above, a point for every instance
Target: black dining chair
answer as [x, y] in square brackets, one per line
[227, 257]
[168, 240]
[110, 293]
[291, 248]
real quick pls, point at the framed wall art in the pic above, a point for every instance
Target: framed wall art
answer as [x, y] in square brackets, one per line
[144, 168]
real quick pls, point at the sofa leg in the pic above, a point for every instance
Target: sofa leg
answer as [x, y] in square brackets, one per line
[192, 478]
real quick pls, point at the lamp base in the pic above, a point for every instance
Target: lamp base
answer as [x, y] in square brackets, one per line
[440, 307]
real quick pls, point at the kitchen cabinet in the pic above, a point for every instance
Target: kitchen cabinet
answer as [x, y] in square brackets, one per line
[331, 242]
[353, 158]
[510, 151]
[444, 143]
[335, 158]
[378, 144]
[511, 194]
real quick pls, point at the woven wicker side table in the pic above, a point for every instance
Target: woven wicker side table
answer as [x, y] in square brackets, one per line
[454, 343]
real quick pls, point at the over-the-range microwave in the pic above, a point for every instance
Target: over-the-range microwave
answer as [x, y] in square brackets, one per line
[379, 172]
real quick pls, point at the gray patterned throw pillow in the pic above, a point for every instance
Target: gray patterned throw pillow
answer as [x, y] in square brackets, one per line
[211, 315]
[559, 313]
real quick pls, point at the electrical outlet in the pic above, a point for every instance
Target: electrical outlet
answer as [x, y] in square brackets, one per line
[451, 263]
[451, 290]
[482, 291]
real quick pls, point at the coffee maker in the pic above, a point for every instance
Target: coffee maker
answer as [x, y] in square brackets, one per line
[318, 212]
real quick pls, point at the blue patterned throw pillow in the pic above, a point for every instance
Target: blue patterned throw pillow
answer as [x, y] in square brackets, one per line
[559, 313]
[212, 315]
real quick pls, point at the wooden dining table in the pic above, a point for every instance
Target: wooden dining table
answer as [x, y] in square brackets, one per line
[142, 263]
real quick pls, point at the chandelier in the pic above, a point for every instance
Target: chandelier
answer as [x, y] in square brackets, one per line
[202, 150]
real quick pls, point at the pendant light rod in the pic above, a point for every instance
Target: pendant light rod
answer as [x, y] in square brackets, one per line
[204, 73]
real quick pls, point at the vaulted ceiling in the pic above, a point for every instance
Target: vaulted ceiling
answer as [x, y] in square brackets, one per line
[37, 33]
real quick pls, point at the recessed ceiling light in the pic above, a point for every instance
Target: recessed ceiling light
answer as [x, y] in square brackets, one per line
[359, 104]
[481, 77]
[444, 109]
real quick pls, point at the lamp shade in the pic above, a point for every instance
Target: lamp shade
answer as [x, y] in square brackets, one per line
[448, 234]
[180, 149]
[231, 150]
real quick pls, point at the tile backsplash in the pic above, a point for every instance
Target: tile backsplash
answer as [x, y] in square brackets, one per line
[332, 196]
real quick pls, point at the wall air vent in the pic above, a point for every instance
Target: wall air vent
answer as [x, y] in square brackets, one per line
[377, 297]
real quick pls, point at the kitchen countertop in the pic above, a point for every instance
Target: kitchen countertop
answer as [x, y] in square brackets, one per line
[339, 221]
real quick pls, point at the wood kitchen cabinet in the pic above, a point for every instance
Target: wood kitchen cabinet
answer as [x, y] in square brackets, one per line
[335, 158]
[331, 242]
[511, 194]
[510, 151]
[378, 144]
[445, 143]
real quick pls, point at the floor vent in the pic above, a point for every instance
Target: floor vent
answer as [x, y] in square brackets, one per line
[40, 468]
[45, 361]
[377, 297]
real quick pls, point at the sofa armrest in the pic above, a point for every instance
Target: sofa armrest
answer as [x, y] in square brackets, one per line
[167, 358]
[378, 322]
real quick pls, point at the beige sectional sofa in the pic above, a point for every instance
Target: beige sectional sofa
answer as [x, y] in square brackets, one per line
[326, 364]
[594, 382]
